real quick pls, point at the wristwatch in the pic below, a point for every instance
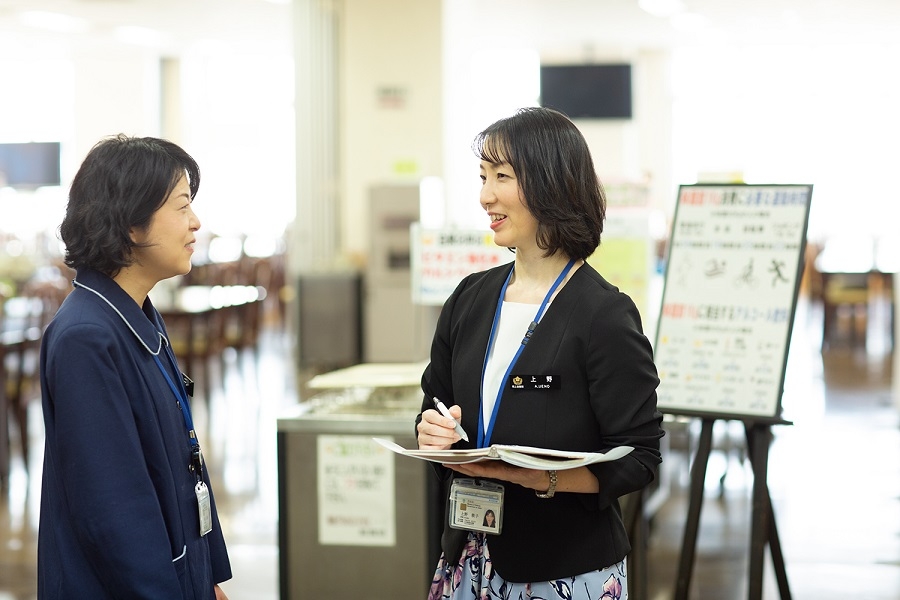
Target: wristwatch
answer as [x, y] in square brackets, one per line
[550, 490]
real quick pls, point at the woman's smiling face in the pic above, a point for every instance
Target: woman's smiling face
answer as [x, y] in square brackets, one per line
[169, 238]
[501, 197]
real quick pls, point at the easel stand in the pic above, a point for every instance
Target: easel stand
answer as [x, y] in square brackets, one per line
[762, 530]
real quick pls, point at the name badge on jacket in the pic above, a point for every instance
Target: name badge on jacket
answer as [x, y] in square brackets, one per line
[534, 382]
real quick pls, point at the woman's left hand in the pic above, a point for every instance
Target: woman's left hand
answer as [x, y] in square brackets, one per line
[220, 595]
[534, 479]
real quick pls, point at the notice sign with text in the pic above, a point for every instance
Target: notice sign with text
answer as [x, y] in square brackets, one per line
[441, 258]
[733, 272]
[355, 491]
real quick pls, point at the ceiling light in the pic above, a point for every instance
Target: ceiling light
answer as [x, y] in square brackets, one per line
[140, 36]
[662, 8]
[689, 22]
[52, 21]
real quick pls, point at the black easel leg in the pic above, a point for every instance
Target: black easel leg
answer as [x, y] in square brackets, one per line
[689, 543]
[759, 528]
[754, 439]
[777, 557]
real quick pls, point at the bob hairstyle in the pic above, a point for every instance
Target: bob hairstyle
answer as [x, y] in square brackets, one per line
[556, 176]
[122, 182]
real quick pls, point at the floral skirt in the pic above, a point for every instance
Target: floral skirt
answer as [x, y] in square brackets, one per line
[475, 579]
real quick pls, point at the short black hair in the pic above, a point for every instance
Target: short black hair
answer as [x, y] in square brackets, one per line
[121, 183]
[556, 174]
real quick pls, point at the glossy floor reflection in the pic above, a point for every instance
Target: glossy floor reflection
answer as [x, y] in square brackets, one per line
[834, 477]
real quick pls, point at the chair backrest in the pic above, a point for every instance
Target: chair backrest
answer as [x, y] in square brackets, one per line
[44, 299]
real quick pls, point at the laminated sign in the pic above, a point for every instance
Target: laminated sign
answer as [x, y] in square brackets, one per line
[443, 257]
[733, 273]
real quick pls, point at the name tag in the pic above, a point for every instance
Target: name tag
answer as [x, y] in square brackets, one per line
[534, 382]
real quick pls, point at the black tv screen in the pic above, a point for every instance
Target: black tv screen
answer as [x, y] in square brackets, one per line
[29, 165]
[588, 91]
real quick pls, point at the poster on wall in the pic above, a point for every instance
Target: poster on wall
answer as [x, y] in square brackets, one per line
[626, 257]
[733, 272]
[355, 492]
[441, 258]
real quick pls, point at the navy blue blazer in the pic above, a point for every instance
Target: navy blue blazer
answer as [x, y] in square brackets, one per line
[119, 515]
[590, 340]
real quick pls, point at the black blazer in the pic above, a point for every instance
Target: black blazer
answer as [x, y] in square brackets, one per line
[590, 340]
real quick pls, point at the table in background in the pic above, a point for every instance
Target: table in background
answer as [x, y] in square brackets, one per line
[203, 319]
[857, 272]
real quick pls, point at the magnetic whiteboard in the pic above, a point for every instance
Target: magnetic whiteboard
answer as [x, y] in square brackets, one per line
[733, 271]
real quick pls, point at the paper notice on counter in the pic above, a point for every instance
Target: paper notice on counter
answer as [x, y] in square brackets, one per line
[355, 492]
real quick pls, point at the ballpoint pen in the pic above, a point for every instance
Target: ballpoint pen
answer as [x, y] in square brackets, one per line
[446, 412]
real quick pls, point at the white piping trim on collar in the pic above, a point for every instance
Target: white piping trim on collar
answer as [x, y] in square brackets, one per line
[112, 306]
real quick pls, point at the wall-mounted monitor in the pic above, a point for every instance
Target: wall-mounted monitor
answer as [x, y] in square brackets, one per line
[594, 91]
[29, 165]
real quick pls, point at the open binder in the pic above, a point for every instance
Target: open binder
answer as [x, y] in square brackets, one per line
[520, 456]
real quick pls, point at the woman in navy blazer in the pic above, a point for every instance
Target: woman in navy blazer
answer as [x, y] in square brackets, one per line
[541, 352]
[123, 513]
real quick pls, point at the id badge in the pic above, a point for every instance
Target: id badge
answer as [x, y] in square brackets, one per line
[203, 503]
[476, 505]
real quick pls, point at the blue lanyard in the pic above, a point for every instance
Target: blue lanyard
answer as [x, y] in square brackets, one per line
[484, 439]
[181, 396]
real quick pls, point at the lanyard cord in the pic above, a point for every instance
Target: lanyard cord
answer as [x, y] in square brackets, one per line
[484, 439]
[179, 391]
[196, 465]
[181, 396]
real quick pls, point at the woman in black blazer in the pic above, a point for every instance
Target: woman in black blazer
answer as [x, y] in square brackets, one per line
[541, 352]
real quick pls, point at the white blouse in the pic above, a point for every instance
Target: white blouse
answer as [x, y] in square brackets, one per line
[515, 318]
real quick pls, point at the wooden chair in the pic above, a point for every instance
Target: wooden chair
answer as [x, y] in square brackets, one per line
[847, 271]
[32, 311]
[845, 305]
[196, 340]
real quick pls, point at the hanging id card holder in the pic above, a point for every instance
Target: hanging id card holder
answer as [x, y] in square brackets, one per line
[203, 504]
[476, 505]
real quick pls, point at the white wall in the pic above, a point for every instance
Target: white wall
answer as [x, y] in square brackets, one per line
[492, 69]
[115, 92]
[238, 123]
[231, 107]
[53, 91]
[819, 113]
[391, 108]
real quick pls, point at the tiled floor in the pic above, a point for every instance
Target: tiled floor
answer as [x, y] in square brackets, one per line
[834, 477]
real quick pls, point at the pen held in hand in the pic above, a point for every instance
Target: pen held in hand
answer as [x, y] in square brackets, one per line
[446, 412]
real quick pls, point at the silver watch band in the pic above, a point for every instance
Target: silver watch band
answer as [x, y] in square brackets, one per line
[550, 490]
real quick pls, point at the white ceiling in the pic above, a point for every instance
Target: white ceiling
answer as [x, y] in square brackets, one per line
[585, 24]
[170, 25]
[596, 23]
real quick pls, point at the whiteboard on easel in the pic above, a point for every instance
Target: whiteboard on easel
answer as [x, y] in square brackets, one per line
[733, 272]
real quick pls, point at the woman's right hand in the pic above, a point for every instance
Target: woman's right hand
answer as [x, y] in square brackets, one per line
[437, 432]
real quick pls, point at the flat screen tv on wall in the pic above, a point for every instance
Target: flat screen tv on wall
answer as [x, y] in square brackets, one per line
[29, 165]
[597, 91]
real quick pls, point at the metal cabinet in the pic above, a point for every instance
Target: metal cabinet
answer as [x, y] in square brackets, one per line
[355, 523]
